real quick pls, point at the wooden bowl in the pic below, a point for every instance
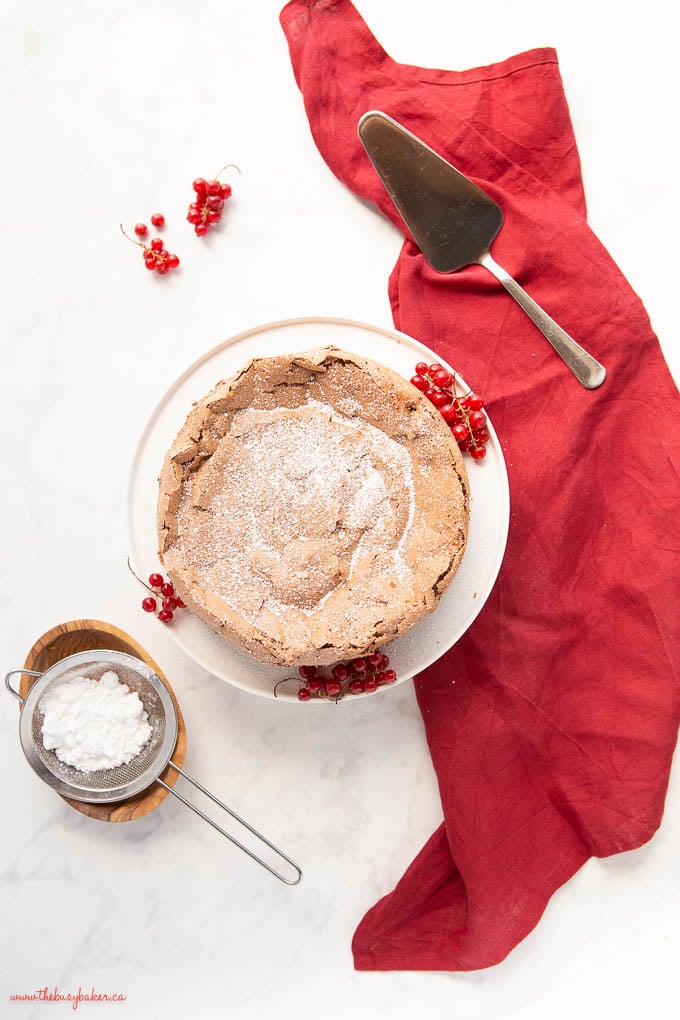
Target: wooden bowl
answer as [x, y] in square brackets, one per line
[85, 636]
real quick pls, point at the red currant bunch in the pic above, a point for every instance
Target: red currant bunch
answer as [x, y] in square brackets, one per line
[156, 257]
[159, 589]
[463, 413]
[206, 209]
[354, 676]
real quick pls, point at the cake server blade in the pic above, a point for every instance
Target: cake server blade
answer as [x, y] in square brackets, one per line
[454, 222]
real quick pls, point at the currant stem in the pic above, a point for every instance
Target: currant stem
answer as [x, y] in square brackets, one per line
[226, 167]
[456, 399]
[286, 680]
[143, 583]
[132, 240]
[464, 412]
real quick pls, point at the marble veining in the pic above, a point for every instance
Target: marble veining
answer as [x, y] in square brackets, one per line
[108, 114]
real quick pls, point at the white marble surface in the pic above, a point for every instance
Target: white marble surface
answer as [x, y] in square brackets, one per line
[108, 112]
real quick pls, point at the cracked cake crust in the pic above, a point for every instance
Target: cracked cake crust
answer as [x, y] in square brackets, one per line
[312, 508]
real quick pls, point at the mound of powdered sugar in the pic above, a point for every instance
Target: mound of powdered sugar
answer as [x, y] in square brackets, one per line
[94, 724]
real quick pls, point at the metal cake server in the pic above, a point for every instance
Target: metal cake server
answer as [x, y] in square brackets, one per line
[454, 222]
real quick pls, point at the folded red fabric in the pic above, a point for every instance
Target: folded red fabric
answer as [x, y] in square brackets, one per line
[552, 722]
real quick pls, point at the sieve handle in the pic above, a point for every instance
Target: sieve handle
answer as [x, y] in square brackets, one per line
[14, 672]
[241, 821]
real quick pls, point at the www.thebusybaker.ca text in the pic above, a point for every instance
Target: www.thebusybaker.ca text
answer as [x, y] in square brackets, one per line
[75, 998]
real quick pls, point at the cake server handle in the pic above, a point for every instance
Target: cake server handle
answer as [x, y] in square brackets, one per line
[296, 870]
[589, 372]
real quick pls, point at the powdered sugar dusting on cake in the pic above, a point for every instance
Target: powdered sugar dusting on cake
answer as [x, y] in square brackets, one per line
[295, 503]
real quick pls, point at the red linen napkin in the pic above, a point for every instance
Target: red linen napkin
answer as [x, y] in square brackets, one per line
[552, 722]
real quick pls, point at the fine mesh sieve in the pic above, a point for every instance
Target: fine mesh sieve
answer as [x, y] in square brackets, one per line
[102, 785]
[116, 784]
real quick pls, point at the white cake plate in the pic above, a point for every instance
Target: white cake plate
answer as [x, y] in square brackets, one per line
[489, 503]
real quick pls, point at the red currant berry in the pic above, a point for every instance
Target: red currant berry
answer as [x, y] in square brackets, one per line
[434, 368]
[214, 216]
[162, 268]
[150, 263]
[314, 684]
[359, 665]
[384, 662]
[460, 433]
[170, 603]
[478, 452]
[439, 398]
[157, 244]
[333, 688]
[199, 186]
[307, 671]
[370, 683]
[429, 393]
[421, 368]
[213, 187]
[442, 378]
[420, 383]
[340, 672]
[180, 603]
[173, 261]
[303, 694]
[477, 419]
[167, 589]
[158, 219]
[201, 229]
[226, 191]
[374, 660]
[155, 580]
[448, 413]
[474, 402]
[390, 676]
[149, 605]
[356, 686]
[215, 202]
[141, 229]
[165, 615]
